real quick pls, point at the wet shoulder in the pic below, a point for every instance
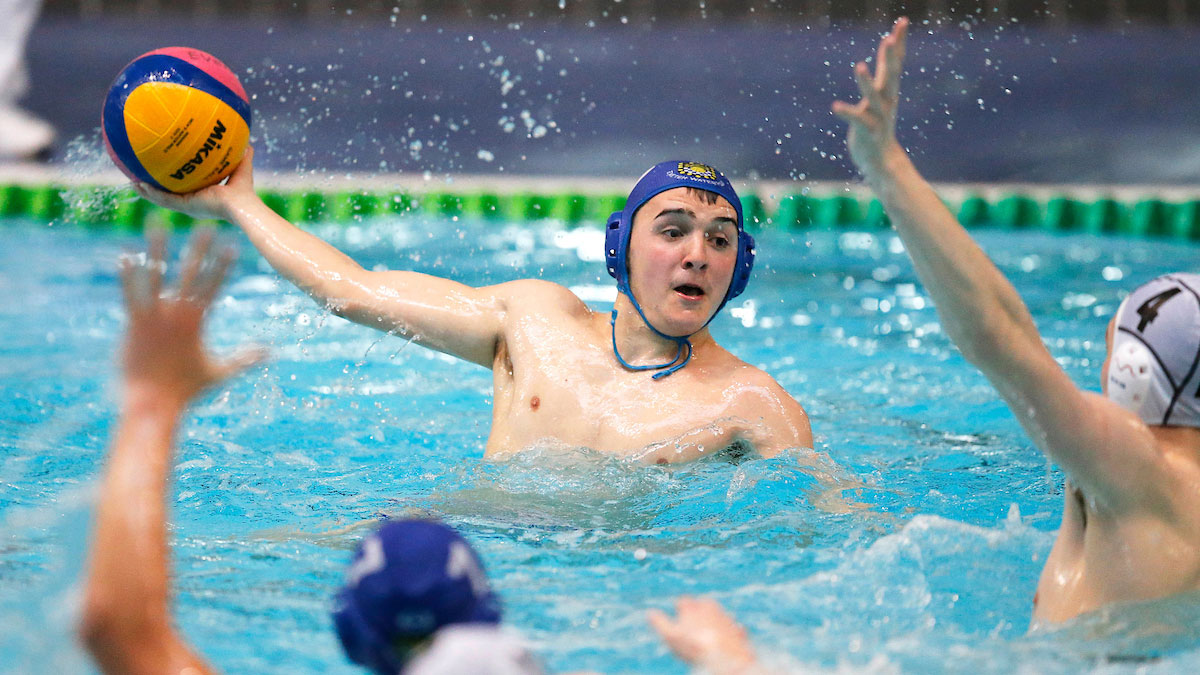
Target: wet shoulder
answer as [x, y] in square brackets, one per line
[535, 296]
[737, 372]
[742, 381]
[751, 388]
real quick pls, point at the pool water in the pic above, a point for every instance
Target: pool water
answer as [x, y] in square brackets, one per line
[909, 541]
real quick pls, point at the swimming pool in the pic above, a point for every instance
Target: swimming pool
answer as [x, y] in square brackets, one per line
[934, 573]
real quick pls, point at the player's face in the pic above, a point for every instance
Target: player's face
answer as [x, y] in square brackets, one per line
[682, 253]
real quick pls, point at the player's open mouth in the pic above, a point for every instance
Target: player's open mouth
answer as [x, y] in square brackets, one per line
[689, 291]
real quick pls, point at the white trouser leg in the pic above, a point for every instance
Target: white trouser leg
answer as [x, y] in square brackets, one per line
[16, 20]
[22, 135]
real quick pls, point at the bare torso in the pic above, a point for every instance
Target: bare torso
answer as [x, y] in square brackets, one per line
[557, 382]
[1104, 556]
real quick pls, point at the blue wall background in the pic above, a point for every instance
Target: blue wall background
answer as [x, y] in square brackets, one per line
[982, 102]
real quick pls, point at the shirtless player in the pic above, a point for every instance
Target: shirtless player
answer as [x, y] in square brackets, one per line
[1131, 521]
[647, 382]
[1131, 524]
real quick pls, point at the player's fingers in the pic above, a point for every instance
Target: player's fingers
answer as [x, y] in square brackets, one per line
[865, 82]
[245, 358]
[156, 196]
[214, 275]
[852, 113]
[892, 54]
[245, 170]
[156, 266]
[127, 264]
[662, 624]
[197, 252]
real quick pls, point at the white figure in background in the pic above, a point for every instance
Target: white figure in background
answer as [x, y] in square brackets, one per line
[22, 135]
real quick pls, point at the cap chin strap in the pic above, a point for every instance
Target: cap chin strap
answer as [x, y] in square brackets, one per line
[672, 365]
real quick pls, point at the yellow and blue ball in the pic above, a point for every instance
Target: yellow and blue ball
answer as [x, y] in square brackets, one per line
[177, 119]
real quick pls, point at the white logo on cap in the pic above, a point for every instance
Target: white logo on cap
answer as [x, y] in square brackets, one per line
[1129, 374]
[372, 561]
[460, 563]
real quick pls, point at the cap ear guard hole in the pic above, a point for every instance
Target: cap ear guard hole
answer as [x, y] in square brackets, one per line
[1129, 375]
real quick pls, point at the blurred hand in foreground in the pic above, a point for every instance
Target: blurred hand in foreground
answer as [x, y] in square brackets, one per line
[705, 636]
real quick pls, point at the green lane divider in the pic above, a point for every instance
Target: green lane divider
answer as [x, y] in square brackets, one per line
[1016, 211]
[130, 213]
[876, 217]
[443, 204]
[1149, 217]
[597, 208]
[1063, 213]
[1103, 216]
[1186, 221]
[399, 202]
[753, 211]
[482, 205]
[47, 203]
[108, 207]
[276, 201]
[838, 211]
[12, 200]
[974, 211]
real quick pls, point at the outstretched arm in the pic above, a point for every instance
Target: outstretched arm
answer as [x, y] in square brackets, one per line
[441, 314]
[704, 636]
[126, 622]
[1099, 445]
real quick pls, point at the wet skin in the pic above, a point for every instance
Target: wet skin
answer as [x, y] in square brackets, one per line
[1131, 522]
[557, 382]
[1104, 554]
[682, 255]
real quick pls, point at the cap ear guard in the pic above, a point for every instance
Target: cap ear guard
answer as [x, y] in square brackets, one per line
[1130, 375]
[745, 265]
[612, 244]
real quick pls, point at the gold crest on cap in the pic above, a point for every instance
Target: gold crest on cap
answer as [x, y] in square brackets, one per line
[697, 170]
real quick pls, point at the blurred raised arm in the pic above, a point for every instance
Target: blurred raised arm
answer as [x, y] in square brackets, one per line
[979, 309]
[126, 622]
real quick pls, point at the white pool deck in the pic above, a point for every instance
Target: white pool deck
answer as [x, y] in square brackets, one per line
[37, 174]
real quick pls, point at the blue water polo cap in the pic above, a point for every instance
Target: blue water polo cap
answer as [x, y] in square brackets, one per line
[662, 177]
[407, 580]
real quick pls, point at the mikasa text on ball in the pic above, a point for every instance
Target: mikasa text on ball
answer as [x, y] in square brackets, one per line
[177, 119]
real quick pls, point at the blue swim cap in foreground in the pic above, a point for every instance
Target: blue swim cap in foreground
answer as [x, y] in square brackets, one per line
[407, 580]
[660, 178]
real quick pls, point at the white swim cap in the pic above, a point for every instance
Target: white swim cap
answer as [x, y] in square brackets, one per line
[477, 649]
[1154, 368]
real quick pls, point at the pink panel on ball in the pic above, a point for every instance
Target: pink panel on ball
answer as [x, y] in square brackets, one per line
[208, 63]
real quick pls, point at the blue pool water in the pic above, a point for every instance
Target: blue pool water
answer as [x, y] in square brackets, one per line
[931, 569]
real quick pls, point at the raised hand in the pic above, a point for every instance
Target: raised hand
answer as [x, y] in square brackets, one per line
[164, 355]
[872, 120]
